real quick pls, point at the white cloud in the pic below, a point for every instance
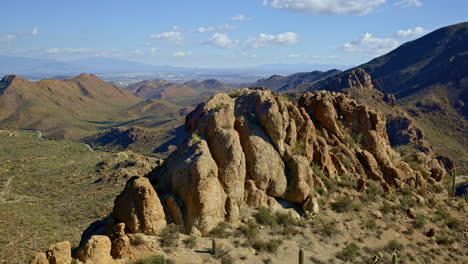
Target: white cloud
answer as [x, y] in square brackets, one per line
[369, 44]
[174, 35]
[266, 40]
[293, 56]
[154, 52]
[326, 7]
[240, 17]
[181, 53]
[222, 41]
[8, 38]
[18, 35]
[35, 31]
[409, 3]
[224, 27]
[411, 32]
[136, 52]
[68, 51]
[205, 29]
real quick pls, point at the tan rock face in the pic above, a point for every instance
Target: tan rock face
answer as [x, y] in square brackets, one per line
[96, 251]
[139, 207]
[192, 175]
[39, 258]
[59, 253]
[253, 147]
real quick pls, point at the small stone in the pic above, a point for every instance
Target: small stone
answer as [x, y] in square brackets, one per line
[431, 232]
[410, 213]
[377, 214]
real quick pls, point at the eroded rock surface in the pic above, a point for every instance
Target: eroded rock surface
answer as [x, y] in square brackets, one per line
[252, 146]
[139, 207]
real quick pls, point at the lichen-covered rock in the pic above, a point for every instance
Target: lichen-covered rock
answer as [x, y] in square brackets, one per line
[59, 253]
[139, 207]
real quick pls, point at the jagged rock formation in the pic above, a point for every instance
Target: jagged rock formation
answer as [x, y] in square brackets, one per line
[401, 129]
[256, 147]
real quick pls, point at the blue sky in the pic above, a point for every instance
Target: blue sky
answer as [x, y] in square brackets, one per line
[220, 33]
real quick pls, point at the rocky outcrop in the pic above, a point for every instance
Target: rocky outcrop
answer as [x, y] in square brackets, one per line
[139, 207]
[59, 253]
[120, 242]
[39, 258]
[96, 251]
[402, 131]
[252, 147]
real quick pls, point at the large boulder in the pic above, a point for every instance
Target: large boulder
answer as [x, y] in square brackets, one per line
[192, 174]
[59, 253]
[96, 251]
[39, 258]
[139, 207]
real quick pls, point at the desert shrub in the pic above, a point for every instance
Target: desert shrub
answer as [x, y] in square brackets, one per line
[285, 219]
[151, 260]
[190, 242]
[374, 190]
[195, 137]
[235, 93]
[218, 107]
[345, 204]
[347, 181]
[394, 245]
[138, 239]
[453, 223]
[271, 245]
[419, 221]
[299, 148]
[228, 259]
[386, 208]
[222, 249]
[265, 217]
[290, 231]
[316, 169]
[444, 240]
[349, 253]
[370, 224]
[221, 230]
[329, 229]
[169, 236]
[249, 230]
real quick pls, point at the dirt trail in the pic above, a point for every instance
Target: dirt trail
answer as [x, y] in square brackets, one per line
[6, 189]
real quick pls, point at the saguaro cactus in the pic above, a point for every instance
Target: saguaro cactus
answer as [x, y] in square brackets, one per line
[454, 176]
[301, 256]
[213, 247]
[394, 258]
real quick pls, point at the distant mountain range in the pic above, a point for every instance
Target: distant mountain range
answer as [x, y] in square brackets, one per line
[172, 91]
[294, 81]
[98, 65]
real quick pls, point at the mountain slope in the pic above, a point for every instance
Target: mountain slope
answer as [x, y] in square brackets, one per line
[73, 108]
[176, 92]
[294, 81]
